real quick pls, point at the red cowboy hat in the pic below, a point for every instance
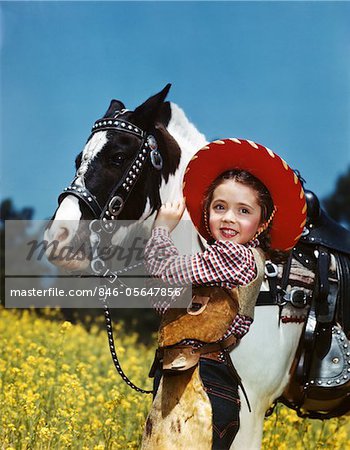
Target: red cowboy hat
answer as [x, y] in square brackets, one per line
[281, 181]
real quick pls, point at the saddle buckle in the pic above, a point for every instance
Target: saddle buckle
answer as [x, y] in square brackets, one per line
[297, 297]
[271, 269]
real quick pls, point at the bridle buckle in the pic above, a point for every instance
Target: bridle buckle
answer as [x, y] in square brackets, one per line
[115, 205]
[156, 159]
[155, 156]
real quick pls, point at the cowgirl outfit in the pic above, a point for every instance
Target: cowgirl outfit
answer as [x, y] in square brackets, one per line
[227, 265]
[227, 276]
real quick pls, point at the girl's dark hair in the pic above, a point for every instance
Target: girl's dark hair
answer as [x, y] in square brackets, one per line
[264, 200]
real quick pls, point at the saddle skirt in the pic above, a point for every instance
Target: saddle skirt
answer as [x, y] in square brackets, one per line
[319, 387]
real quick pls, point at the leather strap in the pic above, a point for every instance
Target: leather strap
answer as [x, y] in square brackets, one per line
[266, 299]
[183, 357]
[215, 356]
[230, 341]
[271, 273]
[343, 303]
[322, 284]
[235, 374]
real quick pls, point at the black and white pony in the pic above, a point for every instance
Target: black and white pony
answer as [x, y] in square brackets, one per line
[133, 162]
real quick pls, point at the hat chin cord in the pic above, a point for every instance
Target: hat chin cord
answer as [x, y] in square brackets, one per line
[206, 222]
[266, 224]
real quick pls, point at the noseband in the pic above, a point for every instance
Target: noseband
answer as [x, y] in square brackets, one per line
[148, 150]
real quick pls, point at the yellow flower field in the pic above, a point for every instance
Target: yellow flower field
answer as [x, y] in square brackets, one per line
[59, 389]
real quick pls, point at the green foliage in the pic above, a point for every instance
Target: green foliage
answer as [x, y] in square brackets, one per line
[59, 389]
[338, 203]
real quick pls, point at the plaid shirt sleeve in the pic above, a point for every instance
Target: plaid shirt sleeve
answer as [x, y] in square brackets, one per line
[225, 264]
[239, 327]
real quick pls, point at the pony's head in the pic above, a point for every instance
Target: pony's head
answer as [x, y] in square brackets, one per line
[118, 174]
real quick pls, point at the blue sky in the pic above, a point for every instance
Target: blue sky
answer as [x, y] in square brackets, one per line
[274, 72]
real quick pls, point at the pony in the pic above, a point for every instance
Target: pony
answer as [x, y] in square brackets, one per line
[107, 185]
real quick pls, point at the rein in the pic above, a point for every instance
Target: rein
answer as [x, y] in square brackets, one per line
[105, 215]
[99, 268]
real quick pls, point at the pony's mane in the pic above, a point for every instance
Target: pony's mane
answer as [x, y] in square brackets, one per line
[185, 133]
[190, 140]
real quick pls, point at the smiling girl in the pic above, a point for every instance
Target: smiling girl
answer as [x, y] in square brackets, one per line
[244, 200]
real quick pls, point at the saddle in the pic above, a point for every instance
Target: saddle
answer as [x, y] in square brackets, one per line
[320, 377]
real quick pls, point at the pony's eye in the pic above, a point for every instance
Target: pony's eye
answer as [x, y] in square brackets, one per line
[118, 159]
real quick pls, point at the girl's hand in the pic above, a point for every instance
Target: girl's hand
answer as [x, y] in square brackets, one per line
[170, 214]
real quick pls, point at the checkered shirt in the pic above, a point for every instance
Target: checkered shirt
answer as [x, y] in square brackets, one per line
[224, 263]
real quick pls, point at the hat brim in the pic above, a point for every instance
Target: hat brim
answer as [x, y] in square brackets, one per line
[281, 181]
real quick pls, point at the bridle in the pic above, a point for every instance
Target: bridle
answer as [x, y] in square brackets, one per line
[105, 216]
[148, 151]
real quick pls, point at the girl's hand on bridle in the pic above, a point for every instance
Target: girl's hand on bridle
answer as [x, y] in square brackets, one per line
[170, 214]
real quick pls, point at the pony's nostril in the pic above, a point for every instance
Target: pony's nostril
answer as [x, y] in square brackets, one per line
[62, 234]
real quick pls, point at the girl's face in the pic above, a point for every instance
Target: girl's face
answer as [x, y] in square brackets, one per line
[234, 212]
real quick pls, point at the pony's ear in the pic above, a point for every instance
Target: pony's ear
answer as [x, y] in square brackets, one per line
[146, 114]
[164, 114]
[115, 106]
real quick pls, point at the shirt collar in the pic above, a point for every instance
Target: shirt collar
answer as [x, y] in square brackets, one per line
[253, 243]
